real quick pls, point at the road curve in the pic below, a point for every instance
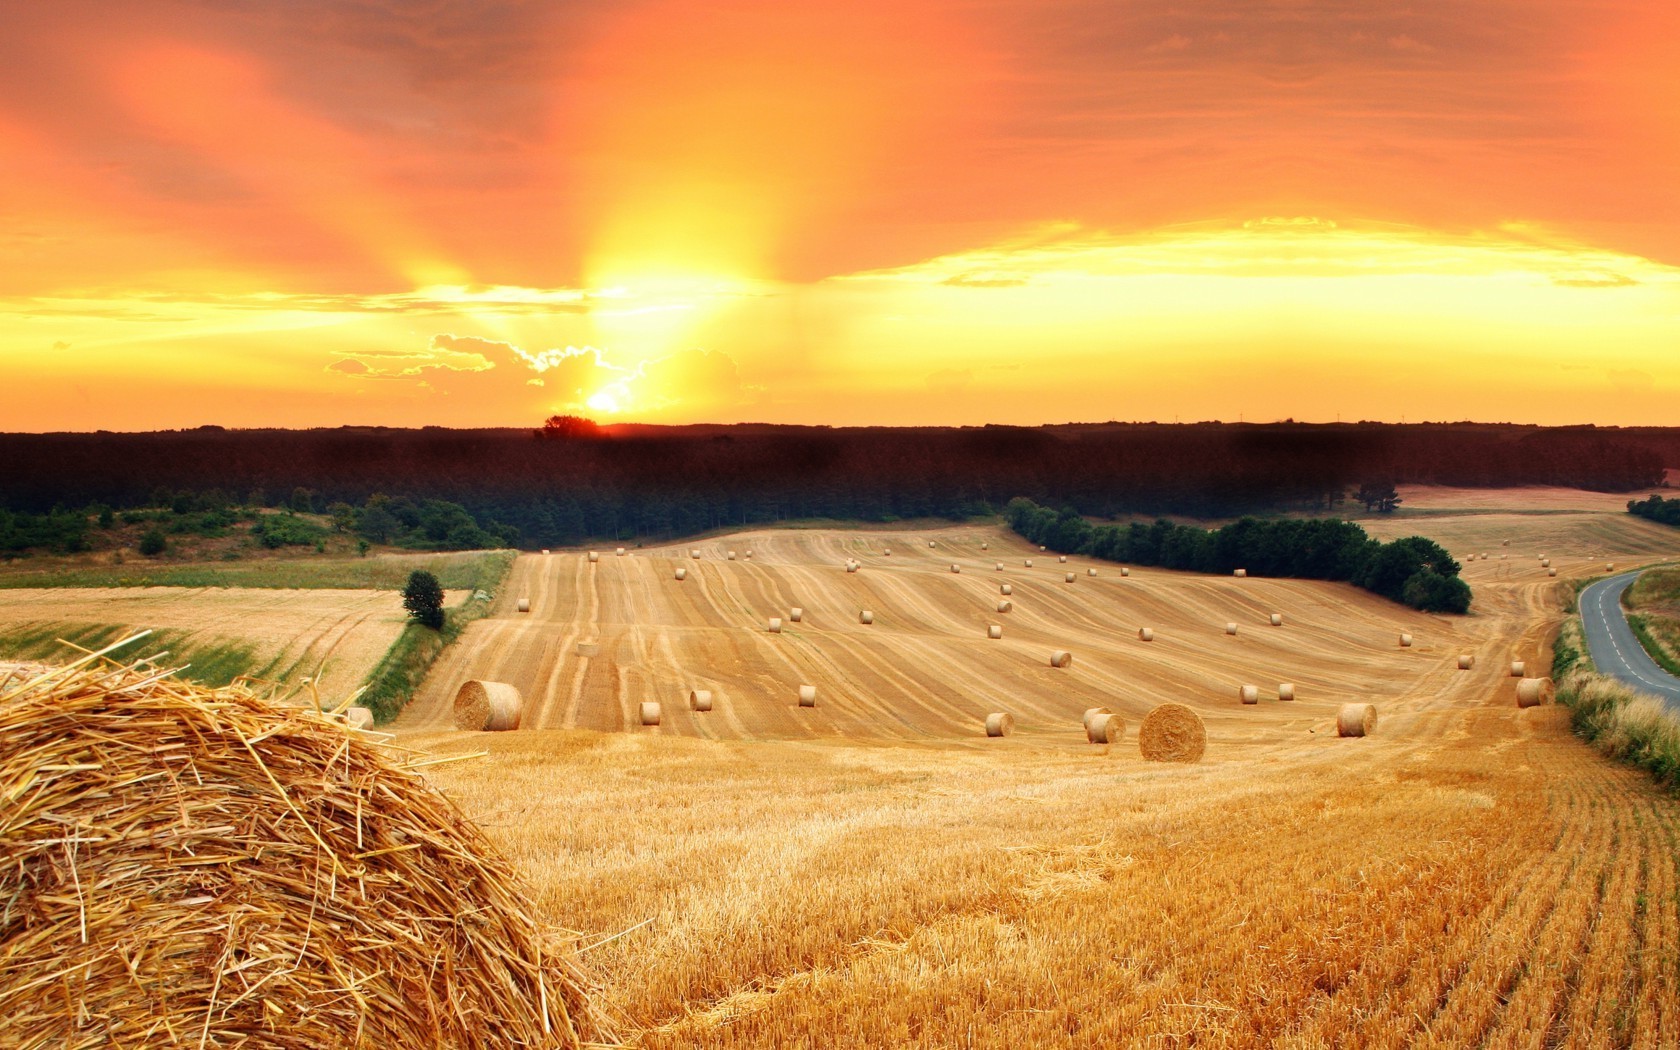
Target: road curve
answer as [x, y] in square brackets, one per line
[1614, 647]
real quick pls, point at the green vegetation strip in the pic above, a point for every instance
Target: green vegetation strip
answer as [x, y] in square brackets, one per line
[393, 683]
[1627, 726]
[212, 660]
[1646, 628]
[470, 572]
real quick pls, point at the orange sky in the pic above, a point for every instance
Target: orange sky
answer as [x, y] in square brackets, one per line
[309, 213]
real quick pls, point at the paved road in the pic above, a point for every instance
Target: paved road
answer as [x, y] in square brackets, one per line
[1612, 643]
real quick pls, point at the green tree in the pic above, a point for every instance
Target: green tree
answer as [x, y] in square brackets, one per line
[343, 516]
[1380, 496]
[423, 598]
[153, 543]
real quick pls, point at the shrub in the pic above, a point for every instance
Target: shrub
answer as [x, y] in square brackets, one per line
[153, 543]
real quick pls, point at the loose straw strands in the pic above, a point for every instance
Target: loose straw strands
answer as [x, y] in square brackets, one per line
[231, 870]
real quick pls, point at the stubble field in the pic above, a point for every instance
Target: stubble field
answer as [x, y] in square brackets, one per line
[876, 872]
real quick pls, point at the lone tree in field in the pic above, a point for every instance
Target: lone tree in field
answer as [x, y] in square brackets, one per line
[1380, 496]
[423, 598]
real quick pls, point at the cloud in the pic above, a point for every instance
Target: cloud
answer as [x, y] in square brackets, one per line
[1631, 380]
[1595, 280]
[585, 377]
[973, 280]
[405, 364]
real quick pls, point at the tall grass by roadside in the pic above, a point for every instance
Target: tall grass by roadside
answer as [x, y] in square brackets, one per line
[1624, 724]
[392, 683]
[1649, 630]
[467, 570]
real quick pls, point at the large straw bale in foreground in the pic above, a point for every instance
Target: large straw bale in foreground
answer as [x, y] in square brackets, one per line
[495, 706]
[194, 867]
[1172, 733]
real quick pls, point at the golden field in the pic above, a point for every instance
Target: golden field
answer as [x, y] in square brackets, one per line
[876, 872]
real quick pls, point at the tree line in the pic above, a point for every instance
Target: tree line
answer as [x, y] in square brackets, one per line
[1666, 511]
[565, 485]
[1413, 571]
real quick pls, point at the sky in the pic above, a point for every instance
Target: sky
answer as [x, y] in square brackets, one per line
[429, 212]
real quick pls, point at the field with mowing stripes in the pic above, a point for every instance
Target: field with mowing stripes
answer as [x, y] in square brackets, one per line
[876, 872]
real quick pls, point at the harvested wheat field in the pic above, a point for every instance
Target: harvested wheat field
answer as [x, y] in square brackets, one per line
[336, 636]
[876, 871]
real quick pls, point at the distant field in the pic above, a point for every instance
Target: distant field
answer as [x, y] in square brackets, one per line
[466, 570]
[875, 872]
[334, 636]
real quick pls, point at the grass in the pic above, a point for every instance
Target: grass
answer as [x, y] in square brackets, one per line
[393, 682]
[1654, 633]
[1569, 651]
[1626, 725]
[475, 570]
[213, 661]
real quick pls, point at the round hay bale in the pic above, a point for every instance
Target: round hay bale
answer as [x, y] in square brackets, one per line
[1125, 571]
[1277, 619]
[994, 631]
[1518, 669]
[1068, 577]
[1405, 641]
[985, 546]
[1106, 729]
[1062, 558]
[851, 566]
[699, 699]
[650, 712]
[1504, 543]
[1248, 694]
[695, 554]
[618, 552]
[955, 567]
[807, 696]
[1356, 719]
[1532, 692]
[999, 566]
[589, 649]
[930, 544]
[545, 550]
[298, 865]
[1146, 634]
[1543, 558]
[1006, 589]
[682, 574]
[1551, 572]
[866, 617]
[522, 605]
[1545, 563]
[1172, 733]
[1466, 661]
[1286, 691]
[887, 553]
[1230, 628]
[731, 556]
[1240, 573]
[594, 556]
[748, 555]
[1005, 606]
[1609, 566]
[1042, 547]
[796, 614]
[1090, 572]
[1029, 563]
[493, 706]
[775, 625]
[1061, 658]
[358, 718]
[1089, 721]
[1000, 723]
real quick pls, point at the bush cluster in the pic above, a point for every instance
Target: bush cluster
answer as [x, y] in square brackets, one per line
[1414, 571]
